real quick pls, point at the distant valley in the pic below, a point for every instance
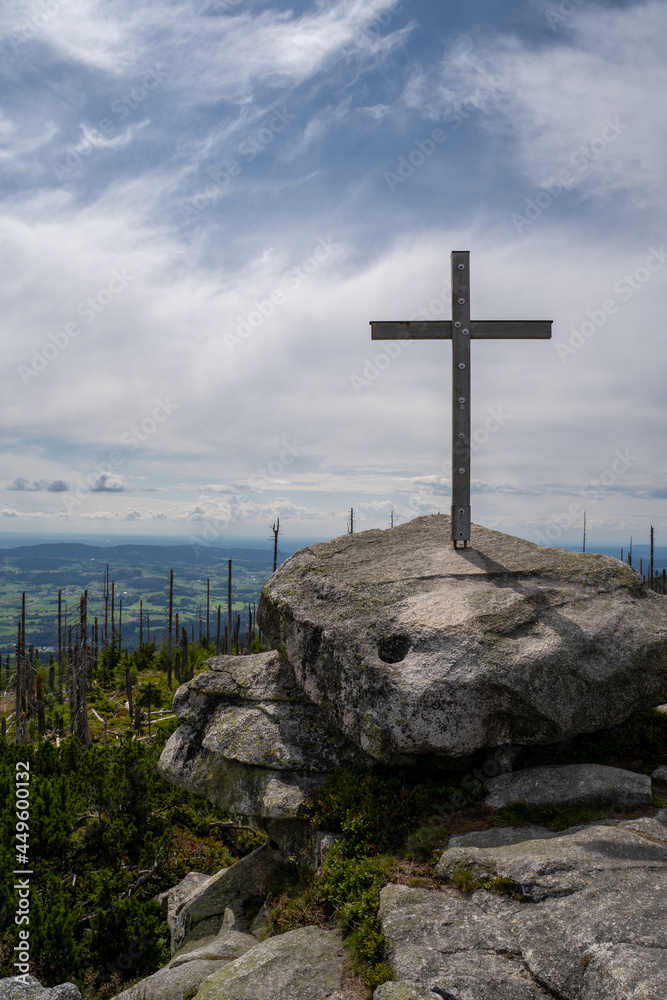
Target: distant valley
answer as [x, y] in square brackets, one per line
[140, 572]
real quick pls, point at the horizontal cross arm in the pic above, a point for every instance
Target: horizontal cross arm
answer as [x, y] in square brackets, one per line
[479, 330]
[419, 330]
[509, 329]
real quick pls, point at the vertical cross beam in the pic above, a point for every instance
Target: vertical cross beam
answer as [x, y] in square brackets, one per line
[460, 260]
[461, 330]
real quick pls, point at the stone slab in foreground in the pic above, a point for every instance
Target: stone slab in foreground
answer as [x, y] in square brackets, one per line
[569, 785]
[411, 647]
[404, 991]
[589, 921]
[305, 964]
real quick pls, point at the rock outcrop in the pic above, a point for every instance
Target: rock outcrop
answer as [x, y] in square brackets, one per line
[306, 963]
[543, 907]
[251, 741]
[390, 646]
[411, 647]
[32, 989]
[221, 903]
[584, 917]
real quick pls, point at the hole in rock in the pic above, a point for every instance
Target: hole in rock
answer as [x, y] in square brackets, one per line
[393, 648]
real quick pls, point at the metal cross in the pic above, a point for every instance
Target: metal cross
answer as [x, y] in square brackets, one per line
[461, 330]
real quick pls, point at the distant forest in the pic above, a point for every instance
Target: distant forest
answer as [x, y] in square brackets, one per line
[140, 575]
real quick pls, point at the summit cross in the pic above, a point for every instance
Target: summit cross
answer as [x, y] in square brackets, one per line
[461, 330]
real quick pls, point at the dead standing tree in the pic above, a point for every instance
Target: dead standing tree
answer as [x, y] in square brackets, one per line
[169, 626]
[21, 680]
[230, 628]
[78, 677]
[184, 653]
[275, 528]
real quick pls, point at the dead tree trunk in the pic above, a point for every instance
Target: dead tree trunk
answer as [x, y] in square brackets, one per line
[39, 701]
[60, 642]
[184, 652]
[171, 609]
[276, 530]
[229, 604]
[128, 688]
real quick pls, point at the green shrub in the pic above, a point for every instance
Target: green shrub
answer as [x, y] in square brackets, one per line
[99, 818]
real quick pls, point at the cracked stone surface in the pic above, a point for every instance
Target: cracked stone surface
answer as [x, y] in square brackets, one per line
[32, 989]
[304, 964]
[219, 905]
[569, 785]
[250, 741]
[587, 918]
[411, 647]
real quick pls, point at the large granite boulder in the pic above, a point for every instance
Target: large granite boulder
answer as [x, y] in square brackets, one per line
[251, 741]
[585, 918]
[304, 964]
[171, 984]
[172, 899]
[409, 646]
[221, 904]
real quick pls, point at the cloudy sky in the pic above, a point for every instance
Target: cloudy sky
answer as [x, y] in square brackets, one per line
[204, 204]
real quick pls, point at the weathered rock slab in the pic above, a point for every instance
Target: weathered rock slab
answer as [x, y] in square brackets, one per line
[171, 900]
[411, 647]
[569, 784]
[228, 945]
[15, 989]
[565, 864]
[589, 921]
[170, 984]
[660, 773]
[404, 991]
[305, 964]
[220, 904]
[501, 836]
[251, 742]
[457, 946]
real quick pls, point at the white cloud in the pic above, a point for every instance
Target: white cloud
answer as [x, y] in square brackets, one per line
[589, 105]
